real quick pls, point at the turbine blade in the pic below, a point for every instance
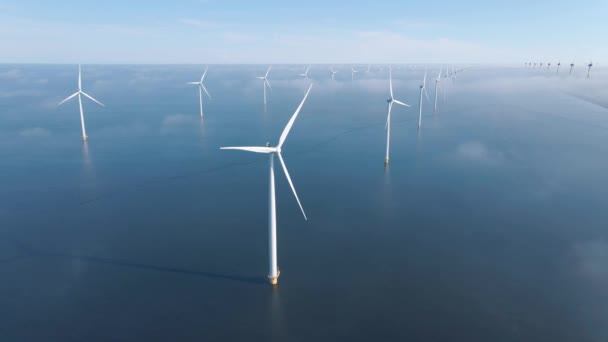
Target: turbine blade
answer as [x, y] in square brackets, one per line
[205, 73]
[291, 184]
[256, 149]
[68, 98]
[79, 78]
[267, 71]
[388, 116]
[260, 77]
[268, 83]
[401, 103]
[427, 95]
[390, 82]
[92, 99]
[206, 92]
[293, 118]
[193, 82]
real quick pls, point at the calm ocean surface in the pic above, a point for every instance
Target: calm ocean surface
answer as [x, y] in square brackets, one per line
[490, 224]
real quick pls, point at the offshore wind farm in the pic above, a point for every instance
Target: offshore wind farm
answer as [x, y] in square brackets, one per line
[473, 213]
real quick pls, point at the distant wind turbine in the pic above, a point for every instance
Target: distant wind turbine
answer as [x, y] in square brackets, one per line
[388, 118]
[558, 65]
[305, 75]
[589, 70]
[79, 93]
[201, 87]
[437, 80]
[333, 72]
[548, 65]
[274, 272]
[265, 80]
[571, 66]
[422, 88]
[353, 73]
[369, 66]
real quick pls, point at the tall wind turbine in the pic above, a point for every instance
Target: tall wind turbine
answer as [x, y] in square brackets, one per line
[558, 65]
[273, 274]
[79, 93]
[422, 88]
[388, 118]
[333, 72]
[265, 80]
[201, 87]
[305, 75]
[548, 65]
[437, 80]
[589, 70]
[369, 66]
[353, 73]
[571, 66]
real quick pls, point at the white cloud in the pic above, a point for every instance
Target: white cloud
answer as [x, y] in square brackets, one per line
[593, 259]
[12, 74]
[35, 132]
[207, 24]
[475, 151]
[175, 122]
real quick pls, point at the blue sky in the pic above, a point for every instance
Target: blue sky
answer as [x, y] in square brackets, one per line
[246, 31]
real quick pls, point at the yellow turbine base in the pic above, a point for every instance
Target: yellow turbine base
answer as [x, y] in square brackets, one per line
[274, 280]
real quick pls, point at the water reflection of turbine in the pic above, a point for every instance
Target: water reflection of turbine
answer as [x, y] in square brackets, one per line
[276, 314]
[88, 169]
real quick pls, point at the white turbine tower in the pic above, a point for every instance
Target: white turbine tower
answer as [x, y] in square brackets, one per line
[333, 72]
[388, 118]
[437, 88]
[201, 87]
[265, 80]
[79, 93]
[422, 88]
[353, 71]
[274, 272]
[305, 75]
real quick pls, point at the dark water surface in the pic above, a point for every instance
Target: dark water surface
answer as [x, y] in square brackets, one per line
[491, 224]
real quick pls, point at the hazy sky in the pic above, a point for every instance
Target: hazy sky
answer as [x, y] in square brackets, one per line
[313, 31]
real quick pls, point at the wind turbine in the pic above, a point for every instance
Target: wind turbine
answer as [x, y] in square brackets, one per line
[369, 66]
[265, 80]
[571, 66]
[305, 75]
[548, 65]
[333, 72]
[437, 80]
[589, 70]
[388, 118]
[422, 88]
[79, 93]
[201, 87]
[558, 65]
[353, 73]
[274, 272]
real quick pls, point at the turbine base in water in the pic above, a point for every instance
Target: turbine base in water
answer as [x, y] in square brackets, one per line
[274, 280]
[386, 161]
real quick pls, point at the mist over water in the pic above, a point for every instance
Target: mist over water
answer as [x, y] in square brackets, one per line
[488, 225]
